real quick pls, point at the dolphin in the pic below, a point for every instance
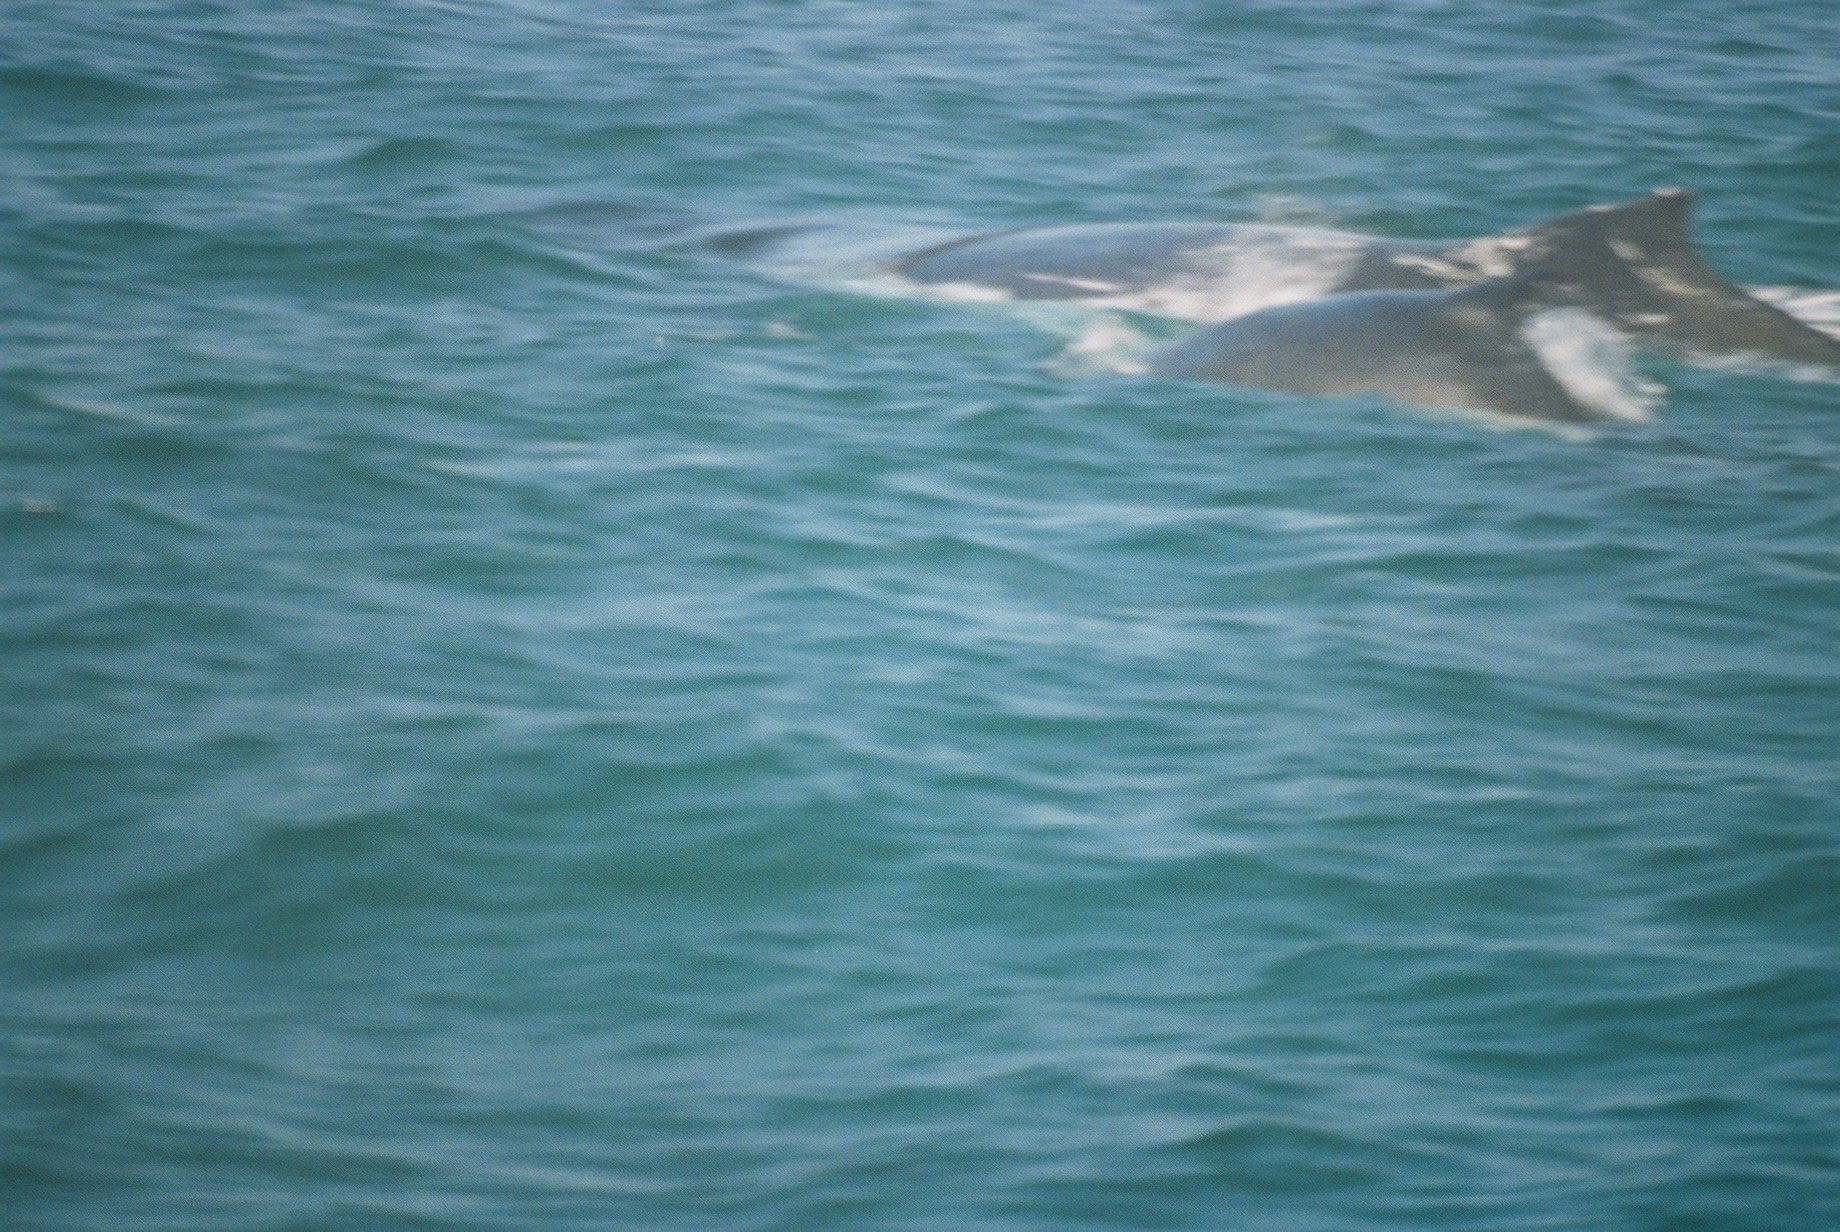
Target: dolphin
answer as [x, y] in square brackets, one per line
[1463, 349]
[1633, 265]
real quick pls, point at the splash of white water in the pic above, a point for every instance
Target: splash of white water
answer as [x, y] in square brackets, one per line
[1592, 361]
[1815, 308]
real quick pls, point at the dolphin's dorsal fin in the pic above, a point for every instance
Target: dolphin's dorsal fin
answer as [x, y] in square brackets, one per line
[1658, 223]
[1663, 217]
[1636, 265]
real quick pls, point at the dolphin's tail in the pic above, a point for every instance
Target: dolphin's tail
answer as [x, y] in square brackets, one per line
[1637, 265]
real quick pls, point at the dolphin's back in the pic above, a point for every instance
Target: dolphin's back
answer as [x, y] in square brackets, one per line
[1107, 261]
[1070, 262]
[1456, 349]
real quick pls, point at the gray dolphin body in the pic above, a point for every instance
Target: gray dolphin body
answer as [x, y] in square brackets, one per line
[1453, 348]
[1633, 265]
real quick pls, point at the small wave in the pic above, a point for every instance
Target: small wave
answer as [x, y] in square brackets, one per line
[39, 86]
[63, 403]
[592, 228]
[399, 153]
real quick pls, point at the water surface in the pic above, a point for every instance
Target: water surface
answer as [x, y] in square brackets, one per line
[513, 721]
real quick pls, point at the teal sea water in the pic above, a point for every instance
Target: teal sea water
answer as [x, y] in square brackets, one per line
[515, 721]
